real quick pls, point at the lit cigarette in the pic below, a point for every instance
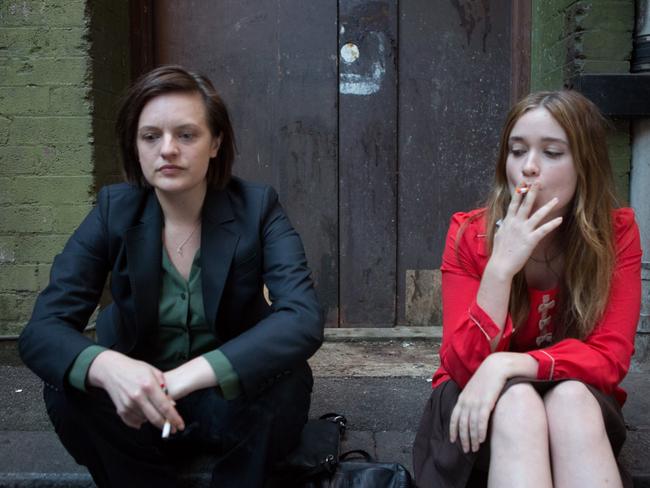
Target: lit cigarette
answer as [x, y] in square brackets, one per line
[167, 428]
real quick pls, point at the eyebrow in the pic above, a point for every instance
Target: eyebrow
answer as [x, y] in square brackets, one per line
[544, 139]
[180, 127]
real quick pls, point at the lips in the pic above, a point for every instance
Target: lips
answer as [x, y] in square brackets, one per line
[169, 168]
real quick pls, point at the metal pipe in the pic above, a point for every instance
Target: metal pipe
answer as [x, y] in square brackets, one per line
[641, 52]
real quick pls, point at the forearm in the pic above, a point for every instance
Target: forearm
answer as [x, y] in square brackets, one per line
[511, 364]
[195, 374]
[494, 295]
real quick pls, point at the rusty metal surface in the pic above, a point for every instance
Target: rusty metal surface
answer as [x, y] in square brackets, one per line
[454, 69]
[275, 65]
[367, 161]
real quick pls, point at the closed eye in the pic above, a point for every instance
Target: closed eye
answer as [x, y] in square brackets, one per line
[149, 136]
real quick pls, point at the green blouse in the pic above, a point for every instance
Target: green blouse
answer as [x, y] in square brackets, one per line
[182, 335]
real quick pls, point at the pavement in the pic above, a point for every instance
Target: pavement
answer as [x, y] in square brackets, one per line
[379, 382]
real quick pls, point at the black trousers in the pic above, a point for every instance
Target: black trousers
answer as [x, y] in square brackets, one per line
[246, 437]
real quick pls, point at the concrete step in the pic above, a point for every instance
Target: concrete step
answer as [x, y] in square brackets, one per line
[380, 385]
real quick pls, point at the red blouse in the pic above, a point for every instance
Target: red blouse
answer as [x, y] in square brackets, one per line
[601, 360]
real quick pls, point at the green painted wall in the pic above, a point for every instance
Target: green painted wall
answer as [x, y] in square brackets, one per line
[56, 94]
[572, 37]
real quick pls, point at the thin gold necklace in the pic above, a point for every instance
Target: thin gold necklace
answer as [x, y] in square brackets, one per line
[179, 249]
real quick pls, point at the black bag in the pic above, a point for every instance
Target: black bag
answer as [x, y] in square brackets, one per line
[317, 462]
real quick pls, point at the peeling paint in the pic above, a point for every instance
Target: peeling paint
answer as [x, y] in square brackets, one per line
[366, 83]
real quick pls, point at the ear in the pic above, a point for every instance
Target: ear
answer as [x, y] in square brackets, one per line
[214, 149]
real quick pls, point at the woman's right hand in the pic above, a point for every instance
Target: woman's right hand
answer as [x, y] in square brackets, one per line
[520, 232]
[136, 389]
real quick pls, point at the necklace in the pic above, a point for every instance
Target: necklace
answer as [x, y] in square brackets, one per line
[179, 248]
[546, 260]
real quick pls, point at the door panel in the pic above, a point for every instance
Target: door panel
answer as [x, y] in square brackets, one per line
[275, 65]
[454, 70]
[367, 161]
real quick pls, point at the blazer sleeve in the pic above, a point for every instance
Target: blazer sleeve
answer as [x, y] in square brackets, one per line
[53, 338]
[293, 331]
[603, 358]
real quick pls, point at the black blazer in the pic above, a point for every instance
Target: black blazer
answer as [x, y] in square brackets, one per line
[246, 241]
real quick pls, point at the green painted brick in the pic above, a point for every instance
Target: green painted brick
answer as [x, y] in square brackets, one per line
[19, 277]
[60, 160]
[42, 12]
[66, 218]
[5, 124]
[8, 249]
[40, 130]
[50, 190]
[15, 307]
[23, 100]
[11, 327]
[39, 248]
[603, 66]
[45, 42]
[26, 218]
[609, 16]
[602, 45]
[57, 70]
[69, 101]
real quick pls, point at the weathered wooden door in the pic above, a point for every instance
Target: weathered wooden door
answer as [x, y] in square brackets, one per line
[375, 120]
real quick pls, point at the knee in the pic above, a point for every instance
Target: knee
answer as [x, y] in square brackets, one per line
[518, 412]
[572, 409]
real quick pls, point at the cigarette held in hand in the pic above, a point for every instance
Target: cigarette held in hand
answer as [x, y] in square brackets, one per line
[167, 428]
[522, 189]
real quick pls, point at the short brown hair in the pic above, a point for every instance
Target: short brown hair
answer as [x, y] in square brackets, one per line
[174, 79]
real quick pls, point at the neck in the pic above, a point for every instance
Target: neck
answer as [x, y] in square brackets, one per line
[182, 208]
[547, 249]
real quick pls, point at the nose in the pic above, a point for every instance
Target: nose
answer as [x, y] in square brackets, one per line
[531, 164]
[169, 147]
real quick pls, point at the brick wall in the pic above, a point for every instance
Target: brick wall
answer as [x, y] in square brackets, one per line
[572, 37]
[55, 100]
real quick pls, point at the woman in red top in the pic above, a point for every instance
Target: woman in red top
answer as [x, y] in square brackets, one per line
[541, 298]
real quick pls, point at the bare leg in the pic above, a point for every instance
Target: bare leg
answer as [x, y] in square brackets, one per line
[519, 440]
[580, 451]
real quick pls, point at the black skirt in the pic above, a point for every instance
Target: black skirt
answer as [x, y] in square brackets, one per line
[437, 463]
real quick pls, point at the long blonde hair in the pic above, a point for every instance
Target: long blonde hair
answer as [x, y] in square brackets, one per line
[586, 233]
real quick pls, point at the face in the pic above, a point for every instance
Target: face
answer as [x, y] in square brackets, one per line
[539, 153]
[175, 143]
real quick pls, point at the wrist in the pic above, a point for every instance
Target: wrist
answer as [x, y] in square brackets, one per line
[96, 372]
[498, 270]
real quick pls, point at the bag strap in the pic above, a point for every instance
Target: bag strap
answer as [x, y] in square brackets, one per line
[336, 418]
[357, 453]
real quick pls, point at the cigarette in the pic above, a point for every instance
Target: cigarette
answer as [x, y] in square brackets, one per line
[523, 189]
[167, 428]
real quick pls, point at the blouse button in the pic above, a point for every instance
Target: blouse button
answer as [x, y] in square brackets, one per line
[182, 296]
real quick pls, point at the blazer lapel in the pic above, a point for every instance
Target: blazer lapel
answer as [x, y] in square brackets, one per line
[144, 256]
[218, 243]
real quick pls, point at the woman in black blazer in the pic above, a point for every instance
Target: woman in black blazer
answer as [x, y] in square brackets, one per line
[189, 339]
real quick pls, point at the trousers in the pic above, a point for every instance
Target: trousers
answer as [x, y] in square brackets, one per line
[244, 437]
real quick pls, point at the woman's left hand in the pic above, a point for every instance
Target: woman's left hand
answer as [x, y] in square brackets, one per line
[471, 414]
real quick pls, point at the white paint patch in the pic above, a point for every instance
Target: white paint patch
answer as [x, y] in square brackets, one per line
[350, 53]
[367, 83]
[342, 30]
[355, 84]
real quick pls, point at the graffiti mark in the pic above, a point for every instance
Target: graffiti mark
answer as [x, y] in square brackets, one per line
[472, 13]
[364, 83]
